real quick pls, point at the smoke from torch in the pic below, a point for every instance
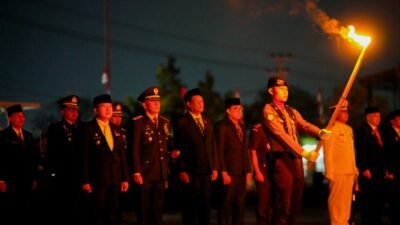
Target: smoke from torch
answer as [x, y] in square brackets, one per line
[329, 25]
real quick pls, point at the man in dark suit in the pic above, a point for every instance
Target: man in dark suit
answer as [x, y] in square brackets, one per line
[233, 162]
[391, 140]
[104, 169]
[18, 168]
[370, 160]
[151, 146]
[199, 160]
[63, 158]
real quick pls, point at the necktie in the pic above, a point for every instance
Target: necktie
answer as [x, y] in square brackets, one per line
[20, 136]
[240, 133]
[378, 137]
[155, 121]
[109, 138]
[200, 125]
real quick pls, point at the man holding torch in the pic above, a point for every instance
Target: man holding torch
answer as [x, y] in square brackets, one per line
[282, 124]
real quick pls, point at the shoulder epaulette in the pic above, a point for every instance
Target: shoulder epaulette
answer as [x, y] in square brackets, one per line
[137, 117]
[163, 117]
[258, 125]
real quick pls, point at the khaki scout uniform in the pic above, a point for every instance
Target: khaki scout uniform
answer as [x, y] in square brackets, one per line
[287, 170]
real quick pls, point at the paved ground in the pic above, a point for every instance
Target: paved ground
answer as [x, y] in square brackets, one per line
[309, 216]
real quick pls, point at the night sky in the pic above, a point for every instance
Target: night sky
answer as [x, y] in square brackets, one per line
[55, 48]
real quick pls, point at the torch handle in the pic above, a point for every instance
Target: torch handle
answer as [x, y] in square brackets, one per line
[341, 100]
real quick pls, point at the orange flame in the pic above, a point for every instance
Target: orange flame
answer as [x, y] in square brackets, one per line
[350, 34]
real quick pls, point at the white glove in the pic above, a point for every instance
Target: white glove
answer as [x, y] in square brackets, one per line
[310, 155]
[324, 134]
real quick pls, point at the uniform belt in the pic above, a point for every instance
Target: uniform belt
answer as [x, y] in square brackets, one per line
[280, 153]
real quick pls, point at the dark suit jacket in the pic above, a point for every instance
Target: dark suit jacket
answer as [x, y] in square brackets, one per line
[100, 165]
[198, 153]
[150, 147]
[370, 155]
[391, 141]
[18, 160]
[233, 153]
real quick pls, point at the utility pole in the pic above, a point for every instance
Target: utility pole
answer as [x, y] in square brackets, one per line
[106, 77]
[280, 60]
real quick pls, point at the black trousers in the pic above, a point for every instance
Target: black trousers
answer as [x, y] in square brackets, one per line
[104, 205]
[287, 182]
[197, 201]
[264, 209]
[232, 207]
[151, 203]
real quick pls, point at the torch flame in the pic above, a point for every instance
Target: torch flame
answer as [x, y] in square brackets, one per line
[350, 34]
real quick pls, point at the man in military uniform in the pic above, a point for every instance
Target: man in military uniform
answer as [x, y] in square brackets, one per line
[340, 167]
[18, 169]
[282, 123]
[116, 119]
[260, 154]
[104, 166]
[63, 160]
[391, 140]
[151, 146]
[199, 164]
[234, 163]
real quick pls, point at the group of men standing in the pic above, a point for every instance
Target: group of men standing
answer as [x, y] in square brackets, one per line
[91, 164]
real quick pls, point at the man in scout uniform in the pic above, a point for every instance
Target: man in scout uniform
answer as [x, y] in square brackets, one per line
[260, 155]
[151, 146]
[281, 124]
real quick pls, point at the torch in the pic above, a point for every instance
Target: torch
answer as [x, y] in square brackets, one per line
[364, 41]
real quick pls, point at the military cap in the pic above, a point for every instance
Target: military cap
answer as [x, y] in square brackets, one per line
[232, 101]
[372, 109]
[344, 107]
[105, 98]
[117, 109]
[14, 109]
[151, 93]
[277, 81]
[189, 94]
[394, 114]
[71, 101]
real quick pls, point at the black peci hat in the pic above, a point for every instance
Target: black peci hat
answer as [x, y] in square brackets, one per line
[373, 109]
[277, 81]
[189, 94]
[232, 101]
[393, 114]
[105, 98]
[151, 93]
[14, 109]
